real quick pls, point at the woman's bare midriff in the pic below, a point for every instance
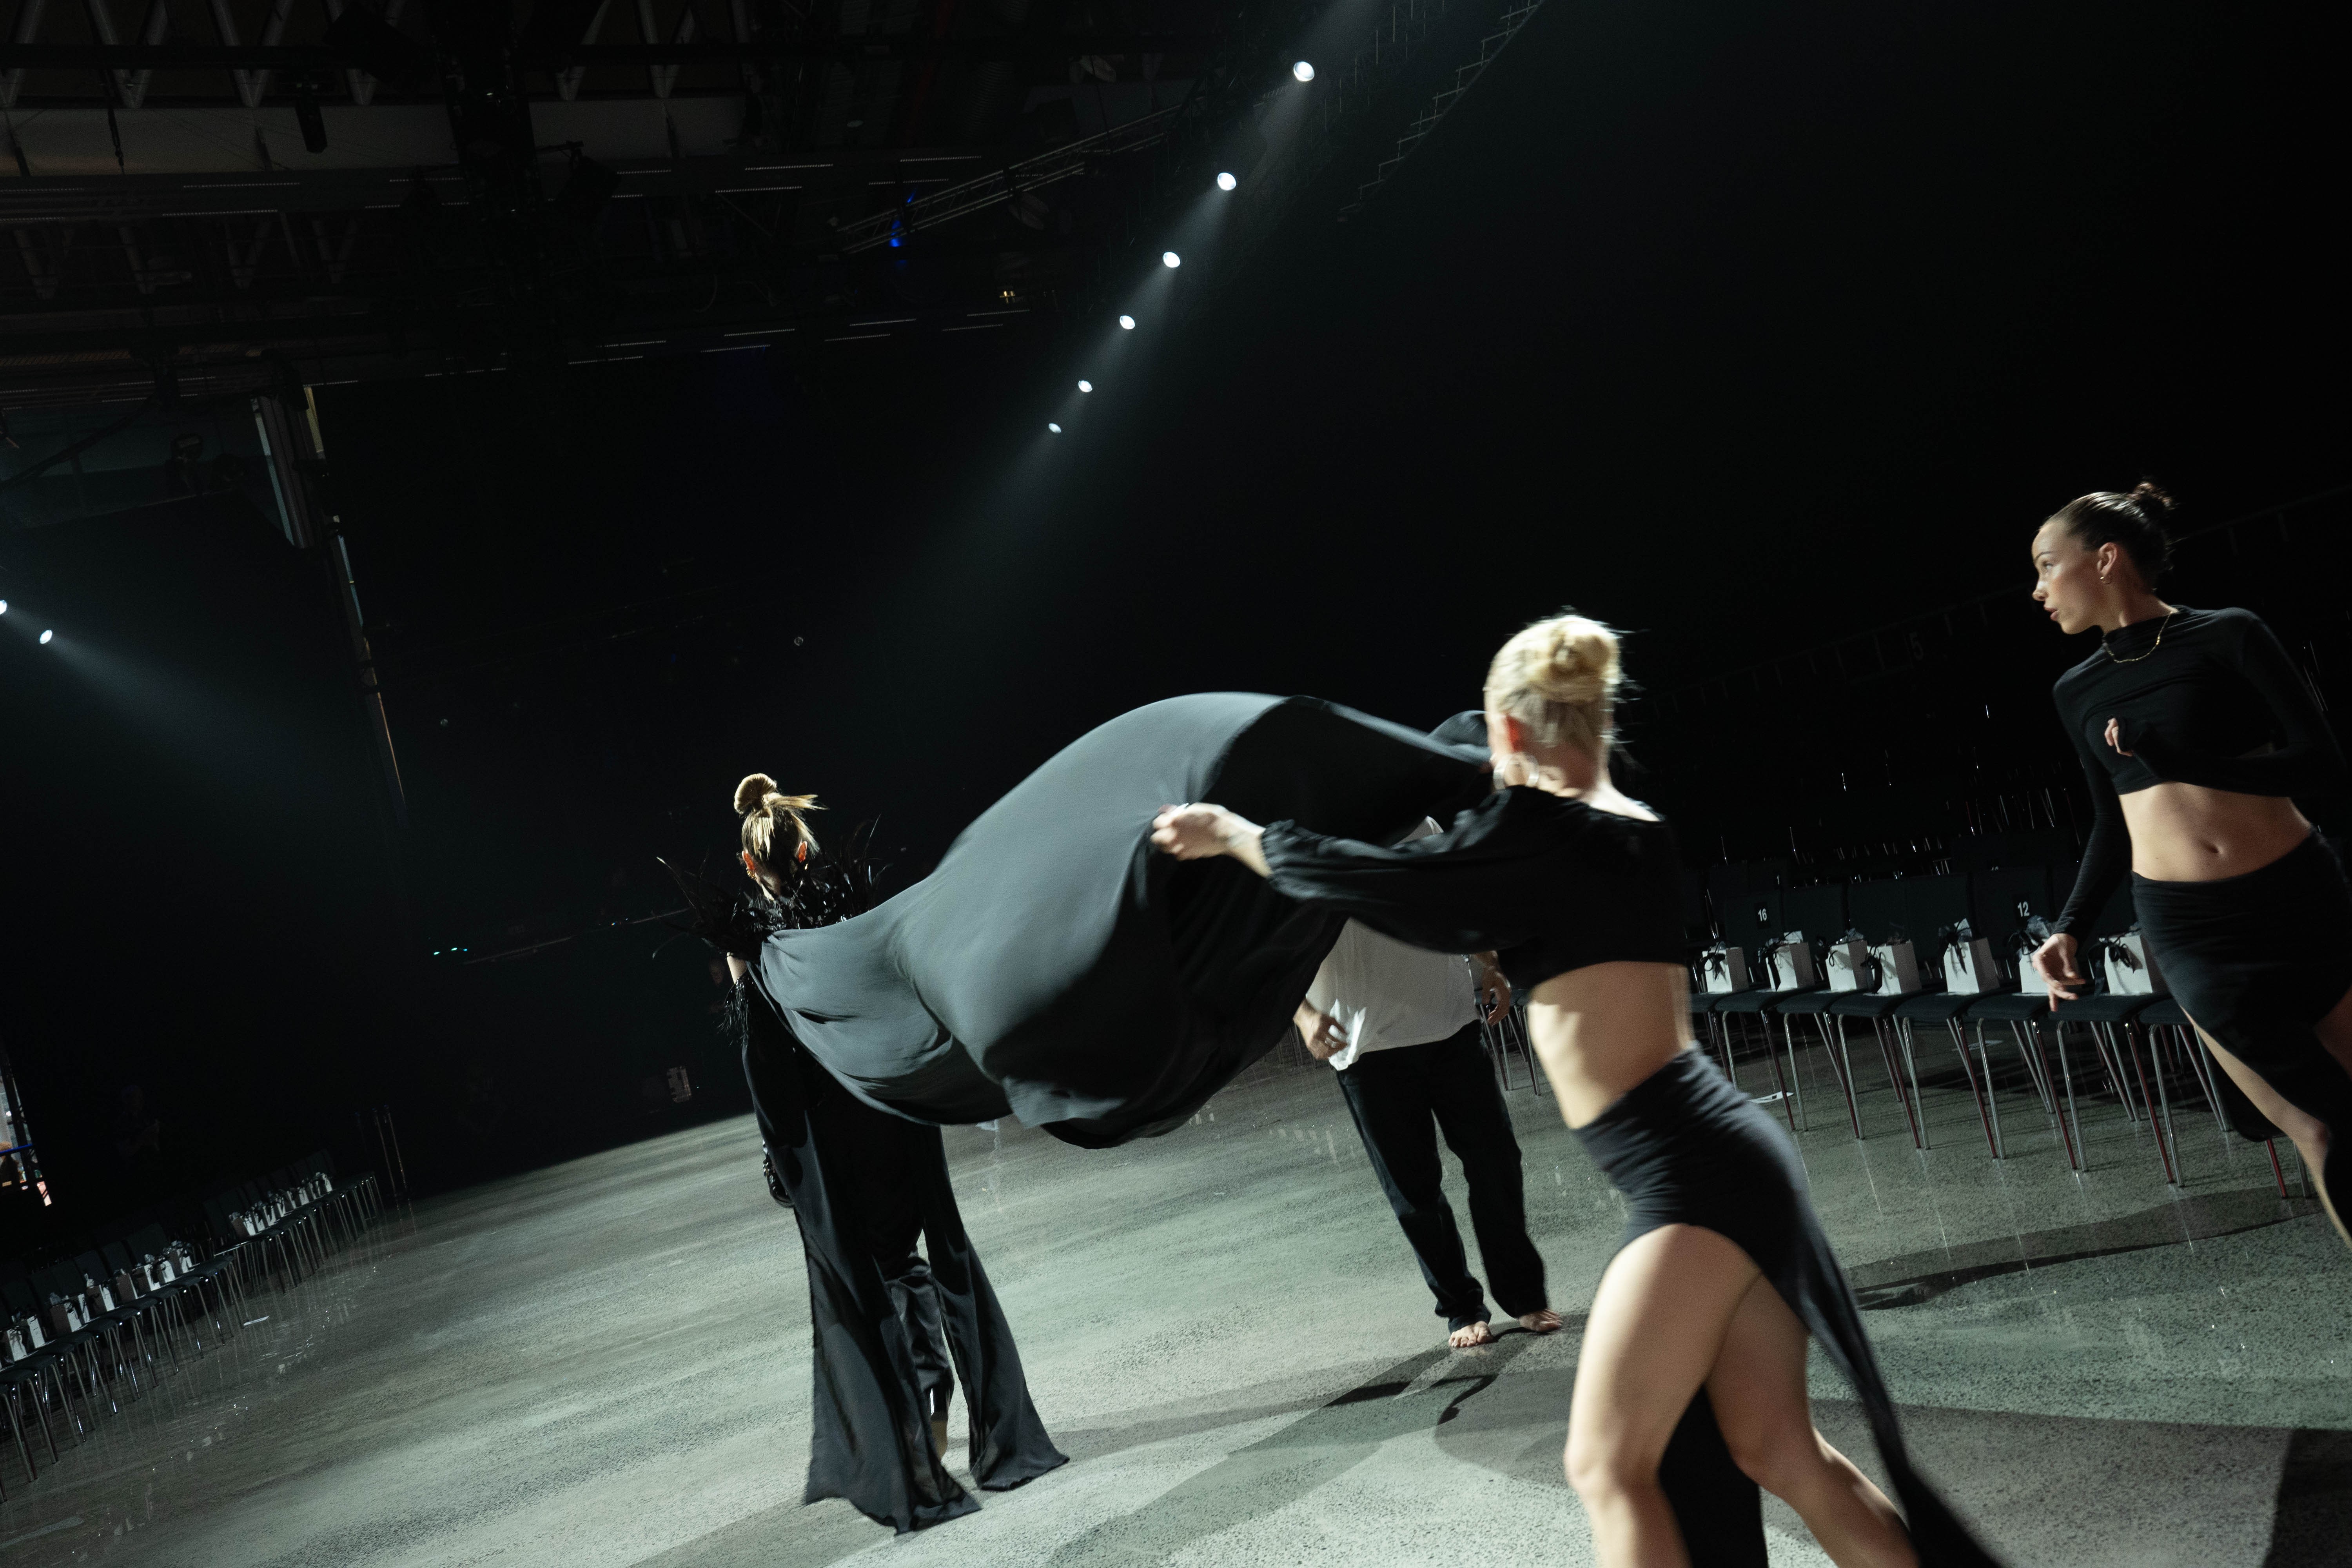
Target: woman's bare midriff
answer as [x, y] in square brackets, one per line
[2186, 833]
[1602, 1029]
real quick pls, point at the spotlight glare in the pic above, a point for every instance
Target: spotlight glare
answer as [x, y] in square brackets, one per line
[1226, 182]
[4, 603]
[1086, 387]
[46, 636]
[1126, 321]
[1169, 259]
[1057, 430]
[1303, 71]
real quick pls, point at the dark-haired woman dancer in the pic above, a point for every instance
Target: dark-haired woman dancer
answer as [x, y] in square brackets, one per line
[2195, 730]
[863, 1186]
[1723, 1270]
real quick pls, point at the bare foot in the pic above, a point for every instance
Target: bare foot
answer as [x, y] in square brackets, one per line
[1471, 1335]
[1543, 1320]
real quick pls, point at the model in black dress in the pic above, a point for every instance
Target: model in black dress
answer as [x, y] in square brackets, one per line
[887, 1320]
[2196, 731]
[1724, 1270]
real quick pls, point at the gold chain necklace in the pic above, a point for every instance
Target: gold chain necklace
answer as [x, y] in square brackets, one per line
[2151, 648]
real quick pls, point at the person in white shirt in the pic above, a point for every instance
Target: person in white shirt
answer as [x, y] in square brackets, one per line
[1402, 1027]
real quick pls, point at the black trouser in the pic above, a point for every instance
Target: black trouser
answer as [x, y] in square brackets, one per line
[1394, 1095]
[891, 1219]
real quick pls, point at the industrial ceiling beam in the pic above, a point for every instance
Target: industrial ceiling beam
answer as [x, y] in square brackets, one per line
[315, 57]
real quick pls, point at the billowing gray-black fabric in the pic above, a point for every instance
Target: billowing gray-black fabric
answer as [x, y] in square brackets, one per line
[1057, 968]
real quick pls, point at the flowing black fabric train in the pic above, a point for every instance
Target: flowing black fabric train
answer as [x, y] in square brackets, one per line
[862, 1185]
[1686, 1147]
[2256, 961]
[1055, 967]
[1554, 885]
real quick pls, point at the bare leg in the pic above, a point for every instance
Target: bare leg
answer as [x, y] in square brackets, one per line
[1758, 1389]
[1656, 1326]
[2311, 1137]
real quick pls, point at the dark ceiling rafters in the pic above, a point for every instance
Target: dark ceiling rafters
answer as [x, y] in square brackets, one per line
[514, 202]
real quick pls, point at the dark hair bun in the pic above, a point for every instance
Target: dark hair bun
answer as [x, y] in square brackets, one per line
[2155, 502]
[2133, 521]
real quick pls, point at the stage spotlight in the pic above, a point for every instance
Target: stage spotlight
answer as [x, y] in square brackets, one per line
[1171, 260]
[3, 606]
[1057, 430]
[1226, 182]
[1086, 387]
[46, 636]
[1126, 321]
[1303, 71]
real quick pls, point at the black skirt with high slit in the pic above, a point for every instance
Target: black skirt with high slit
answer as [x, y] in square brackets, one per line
[1686, 1147]
[2257, 961]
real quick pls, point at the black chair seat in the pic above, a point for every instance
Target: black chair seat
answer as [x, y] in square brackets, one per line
[2164, 1013]
[1863, 1004]
[1702, 1002]
[1749, 1001]
[2009, 1008]
[1805, 1003]
[2104, 1008]
[1935, 1006]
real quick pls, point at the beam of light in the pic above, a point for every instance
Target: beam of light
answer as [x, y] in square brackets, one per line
[1126, 321]
[1086, 387]
[1171, 260]
[1303, 71]
[47, 637]
[1226, 182]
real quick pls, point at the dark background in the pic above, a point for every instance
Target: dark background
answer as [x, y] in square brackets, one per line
[1747, 331]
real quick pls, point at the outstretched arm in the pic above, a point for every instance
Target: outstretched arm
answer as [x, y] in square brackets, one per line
[1201, 832]
[1458, 891]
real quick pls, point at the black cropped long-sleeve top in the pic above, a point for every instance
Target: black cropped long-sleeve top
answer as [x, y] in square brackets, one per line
[2209, 698]
[1549, 884]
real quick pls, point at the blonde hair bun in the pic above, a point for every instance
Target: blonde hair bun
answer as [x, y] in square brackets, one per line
[1560, 677]
[752, 791]
[1580, 663]
[775, 826]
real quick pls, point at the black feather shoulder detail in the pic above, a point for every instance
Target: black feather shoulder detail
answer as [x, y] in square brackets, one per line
[823, 889]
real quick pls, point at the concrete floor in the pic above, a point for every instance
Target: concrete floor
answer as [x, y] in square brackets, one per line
[607, 1363]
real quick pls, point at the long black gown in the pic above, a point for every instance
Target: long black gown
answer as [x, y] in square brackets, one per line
[862, 1185]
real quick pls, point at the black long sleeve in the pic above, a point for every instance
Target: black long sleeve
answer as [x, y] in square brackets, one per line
[2201, 697]
[2304, 759]
[1548, 884]
[2107, 853]
[1440, 892]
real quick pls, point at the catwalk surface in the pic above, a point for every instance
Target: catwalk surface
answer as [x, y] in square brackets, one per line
[607, 1363]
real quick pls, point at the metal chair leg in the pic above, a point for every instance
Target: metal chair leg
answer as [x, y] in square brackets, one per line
[1960, 1044]
[2073, 1154]
[2164, 1152]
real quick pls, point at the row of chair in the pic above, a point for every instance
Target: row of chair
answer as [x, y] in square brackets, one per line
[2143, 1046]
[278, 1229]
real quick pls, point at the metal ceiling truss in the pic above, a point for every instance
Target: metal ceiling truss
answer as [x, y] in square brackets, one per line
[1440, 106]
[928, 210]
[506, 253]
